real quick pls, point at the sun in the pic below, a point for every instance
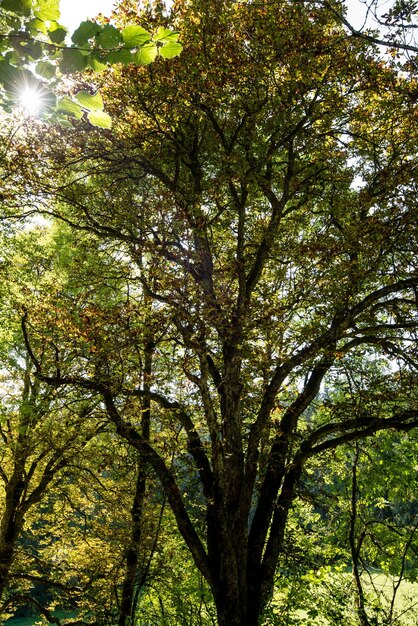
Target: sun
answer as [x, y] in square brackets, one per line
[31, 100]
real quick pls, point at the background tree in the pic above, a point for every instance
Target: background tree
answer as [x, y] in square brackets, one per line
[391, 25]
[34, 453]
[361, 497]
[77, 530]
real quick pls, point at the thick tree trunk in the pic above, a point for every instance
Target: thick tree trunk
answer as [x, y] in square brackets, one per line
[244, 584]
[230, 611]
[236, 593]
[237, 606]
[227, 617]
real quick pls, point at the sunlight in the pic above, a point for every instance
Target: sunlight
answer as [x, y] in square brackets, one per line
[30, 99]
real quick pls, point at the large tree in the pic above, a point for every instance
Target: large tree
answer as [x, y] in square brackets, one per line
[260, 195]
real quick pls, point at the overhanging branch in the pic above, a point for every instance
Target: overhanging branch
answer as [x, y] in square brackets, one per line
[327, 437]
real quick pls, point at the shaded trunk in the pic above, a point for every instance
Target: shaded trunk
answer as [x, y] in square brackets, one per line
[130, 583]
[242, 587]
[355, 545]
[243, 584]
[132, 555]
[10, 527]
[238, 601]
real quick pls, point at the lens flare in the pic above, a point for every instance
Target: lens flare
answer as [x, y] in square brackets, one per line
[30, 100]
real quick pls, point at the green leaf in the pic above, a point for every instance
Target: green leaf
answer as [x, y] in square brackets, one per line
[88, 101]
[47, 10]
[68, 106]
[32, 50]
[48, 99]
[9, 74]
[97, 61]
[165, 35]
[170, 50]
[110, 37]
[87, 30]
[13, 58]
[64, 122]
[21, 7]
[58, 34]
[123, 56]
[72, 61]
[36, 26]
[46, 70]
[134, 36]
[146, 54]
[100, 118]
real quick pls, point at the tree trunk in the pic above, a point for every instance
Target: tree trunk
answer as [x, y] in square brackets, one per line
[129, 588]
[236, 607]
[132, 554]
[10, 527]
[236, 591]
[355, 545]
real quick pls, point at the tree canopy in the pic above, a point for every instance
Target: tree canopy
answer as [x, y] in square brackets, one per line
[230, 280]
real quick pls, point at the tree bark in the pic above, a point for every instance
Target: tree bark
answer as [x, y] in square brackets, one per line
[355, 545]
[129, 588]
[132, 554]
[10, 526]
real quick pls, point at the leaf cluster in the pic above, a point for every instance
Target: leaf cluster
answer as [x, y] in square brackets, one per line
[34, 55]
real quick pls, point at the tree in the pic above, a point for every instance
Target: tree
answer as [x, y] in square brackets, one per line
[385, 537]
[362, 496]
[390, 25]
[76, 526]
[261, 193]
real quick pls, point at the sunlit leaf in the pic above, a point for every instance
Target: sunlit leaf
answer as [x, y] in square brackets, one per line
[100, 118]
[47, 10]
[171, 50]
[48, 99]
[66, 105]
[134, 36]
[64, 122]
[96, 61]
[36, 26]
[88, 101]
[146, 54]
[13, 57]
[165, 35]
[46, 70]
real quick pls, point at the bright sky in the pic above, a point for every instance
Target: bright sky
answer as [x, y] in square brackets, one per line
[75, 11]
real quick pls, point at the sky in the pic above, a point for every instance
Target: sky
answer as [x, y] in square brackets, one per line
[75, 11]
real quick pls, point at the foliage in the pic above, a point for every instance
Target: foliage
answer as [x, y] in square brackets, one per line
[69, 488]
[35, 57]
[236, 288]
